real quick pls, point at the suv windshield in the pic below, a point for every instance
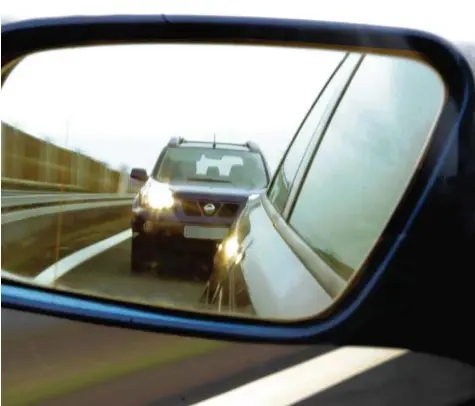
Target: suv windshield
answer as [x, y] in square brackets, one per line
[235, 168]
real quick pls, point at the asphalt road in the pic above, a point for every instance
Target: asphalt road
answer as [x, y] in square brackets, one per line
[47, 361]
[109, 273]
[52, 362]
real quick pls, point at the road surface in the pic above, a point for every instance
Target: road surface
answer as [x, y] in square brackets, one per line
[109, 273]
[64, 363]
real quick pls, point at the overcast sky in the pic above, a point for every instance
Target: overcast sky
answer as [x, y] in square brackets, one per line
[121, 104]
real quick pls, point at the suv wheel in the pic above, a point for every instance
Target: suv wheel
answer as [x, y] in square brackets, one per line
[138, 254]
[137, 265]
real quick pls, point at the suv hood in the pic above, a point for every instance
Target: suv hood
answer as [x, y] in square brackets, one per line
[214, 192]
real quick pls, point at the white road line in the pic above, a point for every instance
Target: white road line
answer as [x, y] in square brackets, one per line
[307, 379]
[60, 268]
[12, 276]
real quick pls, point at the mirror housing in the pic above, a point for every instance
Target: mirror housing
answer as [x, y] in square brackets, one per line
[139, 174]
[407, 268]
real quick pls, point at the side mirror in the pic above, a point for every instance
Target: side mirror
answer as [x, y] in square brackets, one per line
[139, 174]
[361, 239]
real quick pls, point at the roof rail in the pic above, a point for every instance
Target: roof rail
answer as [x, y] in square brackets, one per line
[175, 141]
[252, 146]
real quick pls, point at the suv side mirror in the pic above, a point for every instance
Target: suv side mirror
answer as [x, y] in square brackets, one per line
[139, 174]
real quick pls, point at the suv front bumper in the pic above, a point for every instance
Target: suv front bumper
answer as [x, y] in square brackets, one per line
[164, 232]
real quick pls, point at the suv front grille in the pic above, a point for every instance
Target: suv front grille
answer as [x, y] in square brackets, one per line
[190, 207]
[228, 210]
[196, 208]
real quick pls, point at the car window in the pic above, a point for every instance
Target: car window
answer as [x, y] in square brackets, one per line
[366, 158]
[242, 169]
[280, 188]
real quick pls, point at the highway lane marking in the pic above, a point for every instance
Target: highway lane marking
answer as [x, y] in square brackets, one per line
[306, 379]
[60, 268]
[19, 278]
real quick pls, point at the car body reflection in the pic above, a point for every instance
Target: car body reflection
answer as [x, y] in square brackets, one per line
[295, 248]
[252, 279]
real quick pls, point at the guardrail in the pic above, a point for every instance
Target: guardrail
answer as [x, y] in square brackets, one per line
[41, 199]
[24, 192]
[41, 180]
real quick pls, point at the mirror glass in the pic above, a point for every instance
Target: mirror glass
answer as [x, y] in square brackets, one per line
[245, 180]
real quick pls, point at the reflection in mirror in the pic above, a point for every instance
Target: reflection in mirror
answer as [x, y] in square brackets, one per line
[263, 176]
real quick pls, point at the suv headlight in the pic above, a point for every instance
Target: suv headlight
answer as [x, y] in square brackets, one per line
[157, 196]
[231, 249]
